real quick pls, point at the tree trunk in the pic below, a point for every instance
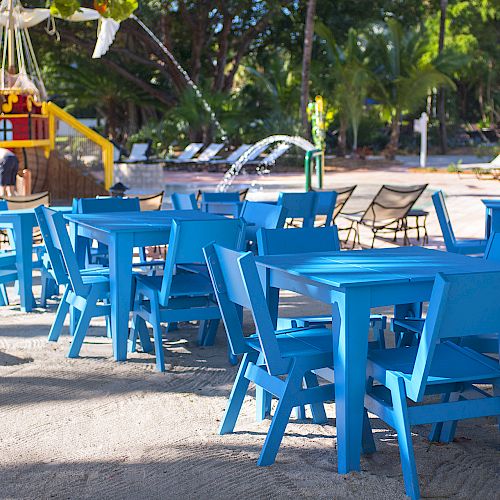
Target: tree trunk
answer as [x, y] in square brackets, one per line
[342, 143]
[392, 147]
[306, 64]
[443, 136]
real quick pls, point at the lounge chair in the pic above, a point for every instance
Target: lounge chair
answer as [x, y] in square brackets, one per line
[387, 212]
[234, 156]
[140, 152]
[343, 196]
[187, 154]
[151, 201]
[273, 156]
[207, 154]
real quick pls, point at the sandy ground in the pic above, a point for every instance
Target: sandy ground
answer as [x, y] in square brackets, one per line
[94, 428]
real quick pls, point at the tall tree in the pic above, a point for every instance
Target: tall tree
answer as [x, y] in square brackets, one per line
[443, 136]
[402, 77]
[306, 63]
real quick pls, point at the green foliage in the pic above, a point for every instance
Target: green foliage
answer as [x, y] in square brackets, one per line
[375, 62]
[119, 10]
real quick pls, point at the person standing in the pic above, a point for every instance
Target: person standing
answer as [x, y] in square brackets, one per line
[9, 167]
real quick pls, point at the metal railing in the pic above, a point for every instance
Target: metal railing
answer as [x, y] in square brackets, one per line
[81, 146]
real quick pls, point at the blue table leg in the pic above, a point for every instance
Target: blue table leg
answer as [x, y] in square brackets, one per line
[80, 246]
[350, 342]
[120, 275]
[23, 235]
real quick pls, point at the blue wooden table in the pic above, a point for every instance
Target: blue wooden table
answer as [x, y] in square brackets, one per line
[492, 215]
[22, 222]
[121, 232]
[353, 282]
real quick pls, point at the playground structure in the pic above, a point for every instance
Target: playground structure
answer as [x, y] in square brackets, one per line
[38, 131]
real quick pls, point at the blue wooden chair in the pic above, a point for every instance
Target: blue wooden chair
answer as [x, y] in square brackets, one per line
[7, 265]
[181, 295]
[464, 247]
[181, 201]
[276, 362]
[207, 197]
[412, 327]
[299, 206]
[88, 293]
[8, 274]
[461, 306]
[324, 206]
[259, 215]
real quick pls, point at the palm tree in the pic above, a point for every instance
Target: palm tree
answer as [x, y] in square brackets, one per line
[401, 75]
[346, 80]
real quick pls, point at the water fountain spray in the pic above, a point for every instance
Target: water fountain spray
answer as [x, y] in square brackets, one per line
[184, 73]
[236, 167]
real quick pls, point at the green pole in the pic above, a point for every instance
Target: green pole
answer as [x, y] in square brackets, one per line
[319, 168]
[307, 169]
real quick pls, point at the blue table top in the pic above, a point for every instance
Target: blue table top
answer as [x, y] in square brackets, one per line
[378, 266]
[137, 221]
[491, 203]
[31, 211]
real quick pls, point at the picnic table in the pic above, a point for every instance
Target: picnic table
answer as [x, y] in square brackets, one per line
[353, 282]
[121, 232]
[22, 222]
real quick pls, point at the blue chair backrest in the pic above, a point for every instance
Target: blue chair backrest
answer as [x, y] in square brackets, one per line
[325, 202]
[236, 283]
[186, 242]
[98, 205]
[231, 196]
[263, 214]
[181, 201]
[299, 206]
[55, 256]
[492, 251]
[3, 205]
[62, 243]
[300, 240]
[461, 305]
[444, 220]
